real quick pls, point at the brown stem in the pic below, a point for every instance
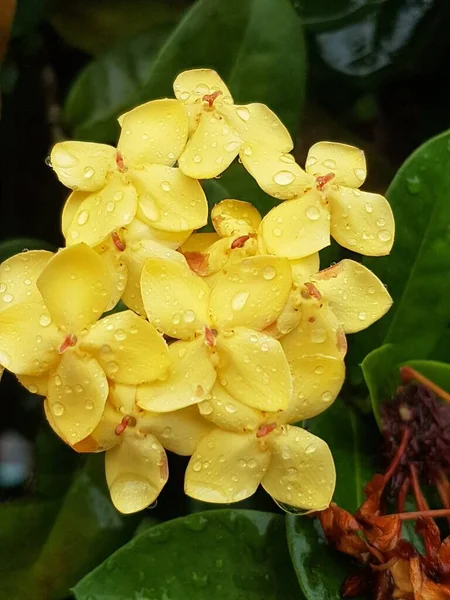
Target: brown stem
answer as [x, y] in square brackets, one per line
[421, 502]
[434, 514]
[402, 496]
[443, 488]
[398, 455]
[409, 374]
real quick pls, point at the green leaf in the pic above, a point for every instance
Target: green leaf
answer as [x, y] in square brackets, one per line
[330, 13]
[414, 271]
[10, 247]
[353, 441]
[320, 569]
[220, 555]
[258, 62]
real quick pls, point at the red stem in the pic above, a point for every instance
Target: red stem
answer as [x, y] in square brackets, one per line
[434, 514]
[402, 496]
[421, 502]
[398, 455]
[409, 374]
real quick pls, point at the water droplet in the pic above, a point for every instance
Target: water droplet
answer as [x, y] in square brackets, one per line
[165, 186]
[5, 359]
[120, 334]
[318, 336]
[197, 466]
[243, 113]
[319, 370]
[360, 174]
[381, 222]
[185, 96]
[113, 367]
[384, 235]
[287, 158]
[63, 159]
[253, 338]
[284, 177]
[311, 161]
[2, 288]
[197, 158]
[58, 380]
[206, 408]
[368, 207]
[232, 146]
[277, 232]
[248, 151]
[167, 432]
[329, 164]
[230, 408]
[88, 172]
[57, 409]
[310, 448]
[189, 316]
[313, 213]
[327, 396]
[238, 301]
[269, 273]
[88, 405]
[83, 217]
[110, 206]
[362, 316]
[33, 389]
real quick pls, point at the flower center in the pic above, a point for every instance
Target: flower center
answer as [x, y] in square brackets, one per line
[265, 429]
[210, 98]
[210, 337]
[127, 421]
[322, 180]
[118, 242]
[239, 242]
[120, 162]
[68, 342]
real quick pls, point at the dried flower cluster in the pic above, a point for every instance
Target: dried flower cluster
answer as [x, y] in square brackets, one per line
[228, 337]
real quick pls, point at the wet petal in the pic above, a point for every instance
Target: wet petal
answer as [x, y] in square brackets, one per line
[18, 276]
[76, 287]
[136, 472]
[289, 317]
[276, 173]
[36, 384]
[104, 435]
[355, 295]
[297, 228]
[235, 218]
[175, 298]
[361, 222]
[82, 166]
[190, 379]
[77, 392]
[117, 270]
[317, 382]
[257, 124]
[348, 163]
[303, 268]
[73, 203]
[228, 413]
[211, 149]
[153, 133]
[301, 471]
[205, 259]
[129, 348]
[134, 256]
[169, 199]
[191, 86]
[319, 332]
[142, 229]
[103, 212]
[251, 292]
[226, 467]
[254, 369]
[179, 431]
[29, 340]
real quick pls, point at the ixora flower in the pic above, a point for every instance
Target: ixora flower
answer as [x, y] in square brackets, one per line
[249, 447]
[333, 204]
[52, 340]
[111, 186]
[219, 331]
[135, 441]
[220, 130]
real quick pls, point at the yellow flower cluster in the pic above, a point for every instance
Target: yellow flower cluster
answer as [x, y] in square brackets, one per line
[229, 337]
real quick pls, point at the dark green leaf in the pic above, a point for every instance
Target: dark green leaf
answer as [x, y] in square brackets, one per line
[220, 555]
[352, 439]
[258, 62]
[16, 245]
[320, 569]
[330, 13]
[29, 15]
[414, 270]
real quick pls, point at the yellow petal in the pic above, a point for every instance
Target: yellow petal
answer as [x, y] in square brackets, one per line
[251, 292]
[129, 348]
[211, 149]
[104, 435]
[319, 332]
[235, 218]
[76, 287]
[348, 163]
[191, 86]
[179, 431]
[136, 472]
[175, 298]
[171, 239]
[199, 242]
[289, 317]
[29, 340]
[134, 257]
[73, 203]
[18, 276]
[117, 269]
[228, 413]
[209, 260]
[123, 398]
[226, 467]
[169, 199]
[355, 295]
[276, 173]
[301, 471]
[361, 222]
[36, 384]
[303, 268]
[103, 212]
[257, 124]
[297, 228]
[153, 133]
[82, 166]
[254, 369]
[190, 379]
[317, 382]
[77, 392]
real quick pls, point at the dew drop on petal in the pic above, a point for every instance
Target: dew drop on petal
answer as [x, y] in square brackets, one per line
[5, 359]
[360, 174]
[118, 196]
[311, 161]
[313, 213]
[248, 151]
[165, 186]
[277, 232]
[243, 113]
[238, 301]
[197, 466]
[57, 409]
[329, 164]
[83, 217]
[269, 273]
[368, 207]
[319, 370]
[8, 298]
[110, 206]
[189, 316]
[120, 334]
[88, 405]
[384, 235]
[88, 172]
[362, 316]
[197, 158]
[206, 408]
[283, 177]
[232, 146]
[310, 448]
[287, 158]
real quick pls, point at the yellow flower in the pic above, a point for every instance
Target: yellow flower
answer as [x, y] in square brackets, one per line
[51, 339]
[135, 441]
[112, 186]
[219, 331]
[249, 447]
[360, 221]
[221, 130]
